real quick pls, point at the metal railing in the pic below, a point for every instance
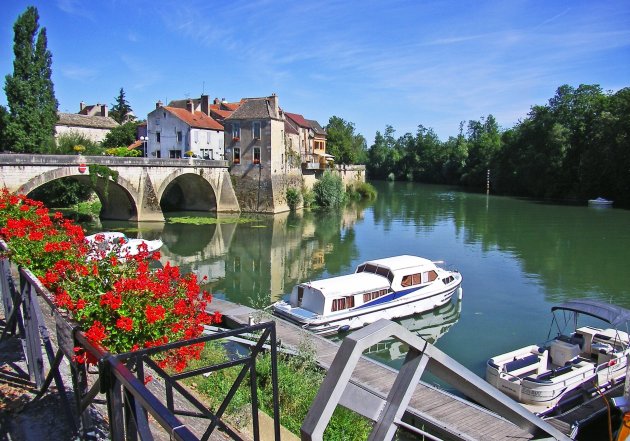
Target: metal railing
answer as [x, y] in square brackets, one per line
[121, 376]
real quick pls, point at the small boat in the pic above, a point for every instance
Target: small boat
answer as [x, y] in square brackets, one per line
[387, 288]
[600, 202]
[568, 369]
[109, 241]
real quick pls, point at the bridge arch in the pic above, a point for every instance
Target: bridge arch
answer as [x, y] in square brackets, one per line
[186, 191]
[118, 199]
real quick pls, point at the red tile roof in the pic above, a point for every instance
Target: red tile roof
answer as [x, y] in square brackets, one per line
[198, 119]
[298, 119]
[221, 113]
[135, 145]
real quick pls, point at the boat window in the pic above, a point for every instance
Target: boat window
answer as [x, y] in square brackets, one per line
[429, 276]
[360, 268]
[411, 279]
[350, 302]
[448, 280]
[300, 295]
[382, 271]
[370, 269]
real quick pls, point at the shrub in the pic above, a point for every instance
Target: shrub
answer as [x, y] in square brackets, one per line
[123, 152]
[329, 191]
[293, 198]
[308, 198]
[362, 190]
[72, 143]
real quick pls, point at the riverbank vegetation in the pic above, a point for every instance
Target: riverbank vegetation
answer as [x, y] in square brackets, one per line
[299, 379]
[575, 147]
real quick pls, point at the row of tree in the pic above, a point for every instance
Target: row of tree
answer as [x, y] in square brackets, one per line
[28, 124]
[575, 147]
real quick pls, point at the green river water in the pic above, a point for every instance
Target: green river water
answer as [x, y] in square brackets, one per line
[517, 257]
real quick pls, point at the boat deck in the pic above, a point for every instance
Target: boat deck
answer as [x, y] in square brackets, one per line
[456, 416]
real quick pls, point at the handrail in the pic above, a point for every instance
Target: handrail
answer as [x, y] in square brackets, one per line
[128, 399]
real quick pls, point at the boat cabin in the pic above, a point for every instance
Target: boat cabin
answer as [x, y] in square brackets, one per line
[374, 282]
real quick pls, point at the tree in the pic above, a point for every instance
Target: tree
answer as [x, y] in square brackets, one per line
[30, 123]
[343, 144]
[121, 136]
[121, 111]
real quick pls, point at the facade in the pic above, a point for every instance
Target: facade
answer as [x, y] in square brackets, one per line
[175, 132]
[92, 122]
[260, 162]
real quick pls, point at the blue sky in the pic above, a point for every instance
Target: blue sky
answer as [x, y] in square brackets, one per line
[372, 63]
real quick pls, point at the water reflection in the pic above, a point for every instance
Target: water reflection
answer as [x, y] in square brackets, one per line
[430, 325]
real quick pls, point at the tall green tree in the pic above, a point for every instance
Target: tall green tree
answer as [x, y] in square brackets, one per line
[346, 146]
[30, 123]
[121, 111]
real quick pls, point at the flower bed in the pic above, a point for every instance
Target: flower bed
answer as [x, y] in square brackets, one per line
[122, 304]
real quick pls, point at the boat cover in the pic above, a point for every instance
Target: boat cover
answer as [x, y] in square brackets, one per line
[615, 315]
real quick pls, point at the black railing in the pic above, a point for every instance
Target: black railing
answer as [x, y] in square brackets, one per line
[121, 376]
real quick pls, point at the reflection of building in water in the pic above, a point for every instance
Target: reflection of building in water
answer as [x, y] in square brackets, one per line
[430, 326]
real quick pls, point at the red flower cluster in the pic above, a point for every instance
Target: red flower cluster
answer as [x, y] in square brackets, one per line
[123, 304]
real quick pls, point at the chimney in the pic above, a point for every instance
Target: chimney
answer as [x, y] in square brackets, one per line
[104, 110]
[205, 105]
[158, 104]
[273, 99]
[189, 106]
[81, 106]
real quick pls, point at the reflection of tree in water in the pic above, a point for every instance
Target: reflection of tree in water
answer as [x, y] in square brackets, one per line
[568, 246]
[187, 239]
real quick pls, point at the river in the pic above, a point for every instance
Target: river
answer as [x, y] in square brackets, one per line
[517, 257]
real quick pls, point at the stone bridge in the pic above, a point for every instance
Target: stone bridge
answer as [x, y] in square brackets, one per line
[145, 188]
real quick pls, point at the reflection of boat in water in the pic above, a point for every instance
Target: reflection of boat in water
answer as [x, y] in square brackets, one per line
[387, 288]
[430, 325]
[107, 242]
[575, 365]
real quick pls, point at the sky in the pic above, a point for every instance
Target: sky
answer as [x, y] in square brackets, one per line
[373, 63]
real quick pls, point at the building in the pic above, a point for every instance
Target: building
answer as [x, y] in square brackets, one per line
[261, 164]
[92, 122]
[175, 132]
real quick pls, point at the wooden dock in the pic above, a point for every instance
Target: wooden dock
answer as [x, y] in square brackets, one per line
[453, 416]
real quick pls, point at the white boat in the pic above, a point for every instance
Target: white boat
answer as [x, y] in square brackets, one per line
[571, 367]
[106, 242]
[600, 202]
[385, 288]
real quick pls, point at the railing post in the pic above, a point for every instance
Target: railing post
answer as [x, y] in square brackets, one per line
[115, 402]
[33, 345]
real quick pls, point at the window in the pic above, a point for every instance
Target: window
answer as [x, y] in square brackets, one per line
[158, 153]
[157, 121]
[236, 131]
[206, 153]
[256, 129]
[175, 154]
[429, 276]
[196, 136]
[179, 136]
[256, 155]
[157, 137]
[237, 155]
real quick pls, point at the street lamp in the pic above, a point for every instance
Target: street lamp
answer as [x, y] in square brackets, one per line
[145, 140]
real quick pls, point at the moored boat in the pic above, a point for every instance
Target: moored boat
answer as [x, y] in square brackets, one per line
[384, 288]
[579, 362]
[600, 202]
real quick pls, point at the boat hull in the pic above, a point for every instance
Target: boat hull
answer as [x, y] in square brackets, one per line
[354, 319]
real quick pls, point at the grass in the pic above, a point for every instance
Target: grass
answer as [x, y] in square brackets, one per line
[209, 220]
[299, 380]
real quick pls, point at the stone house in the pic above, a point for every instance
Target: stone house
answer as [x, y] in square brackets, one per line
[176, 132]
[92, 121]
[256, 147]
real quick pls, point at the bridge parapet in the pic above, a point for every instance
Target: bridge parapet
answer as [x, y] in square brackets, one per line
[143, 188]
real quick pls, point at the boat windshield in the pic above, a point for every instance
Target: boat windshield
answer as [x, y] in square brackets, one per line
[375, 269]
